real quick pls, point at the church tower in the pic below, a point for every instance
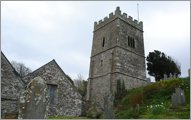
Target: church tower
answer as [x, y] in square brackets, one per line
[117, 54]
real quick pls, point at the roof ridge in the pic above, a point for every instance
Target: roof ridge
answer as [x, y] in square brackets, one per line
[9, 63]
[54, 61]
[39, 68]
[3, 55]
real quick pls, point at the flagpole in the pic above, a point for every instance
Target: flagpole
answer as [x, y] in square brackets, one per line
[138, 11]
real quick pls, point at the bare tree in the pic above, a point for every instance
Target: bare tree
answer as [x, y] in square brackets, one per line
[81, 85]
[78, 82]
[21, 68]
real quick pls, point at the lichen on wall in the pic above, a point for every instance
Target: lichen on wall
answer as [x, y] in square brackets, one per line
[34, 100]
[68, 100]
[117, 54]
[11, 87]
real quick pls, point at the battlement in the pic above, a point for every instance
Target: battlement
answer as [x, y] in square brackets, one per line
[117, 14]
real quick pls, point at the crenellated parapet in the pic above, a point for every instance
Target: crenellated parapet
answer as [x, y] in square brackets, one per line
[115, 15]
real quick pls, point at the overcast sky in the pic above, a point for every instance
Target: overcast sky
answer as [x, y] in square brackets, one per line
[35, 32]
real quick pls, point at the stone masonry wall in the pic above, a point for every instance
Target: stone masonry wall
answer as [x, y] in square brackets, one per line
[128, 30]
[101, 64]
[108, 32]
[103, 89]
[130, 82]
[11, 87]
[68, 100]
[130, 64]
[113, 58]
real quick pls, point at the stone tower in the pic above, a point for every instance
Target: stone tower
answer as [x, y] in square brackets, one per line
[117, 54]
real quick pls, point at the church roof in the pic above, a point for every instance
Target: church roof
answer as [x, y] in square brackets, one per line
[5, 58]
[47, 64]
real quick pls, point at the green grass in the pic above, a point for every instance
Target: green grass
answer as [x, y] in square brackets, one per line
[66, 117]
[155, 101]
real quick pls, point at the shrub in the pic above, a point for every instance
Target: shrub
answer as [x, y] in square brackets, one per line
[185, 85]
[136, 98]
[156, 109]
[133, 97]
[65, 117]
[157, 95]
[127, 114]
[150, 91]
[94, 112]
[120, 92]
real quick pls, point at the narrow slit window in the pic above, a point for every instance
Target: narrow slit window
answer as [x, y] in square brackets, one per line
[103, 42]
[101, 63]
[128, 41]
[132, 43]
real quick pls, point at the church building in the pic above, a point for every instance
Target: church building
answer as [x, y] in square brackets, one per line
[117, 54]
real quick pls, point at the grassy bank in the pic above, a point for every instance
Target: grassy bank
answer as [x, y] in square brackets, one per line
[154, 101]
[66, 117]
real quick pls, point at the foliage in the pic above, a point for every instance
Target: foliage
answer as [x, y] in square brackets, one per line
[81, 85]
[159, 64]
[66, 117]
[94, 112]
[21, 68]
[181, 112]
[160, 89]
[120, 91]
[156, 109]
[129, 113]
[157, 95]
[134, 97]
